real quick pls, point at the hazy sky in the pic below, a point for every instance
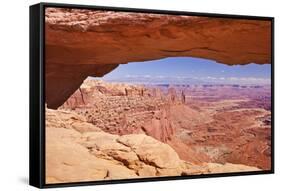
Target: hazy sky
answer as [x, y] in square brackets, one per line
[186, 67]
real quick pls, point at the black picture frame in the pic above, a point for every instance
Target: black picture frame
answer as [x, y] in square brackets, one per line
[37, 95]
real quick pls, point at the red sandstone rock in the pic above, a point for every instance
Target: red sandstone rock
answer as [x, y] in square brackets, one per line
[216, 130]
[81, 43]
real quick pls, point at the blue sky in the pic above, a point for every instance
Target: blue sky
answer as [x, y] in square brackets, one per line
[195, 68]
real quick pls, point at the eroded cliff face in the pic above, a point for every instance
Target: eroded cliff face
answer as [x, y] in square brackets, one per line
[125, 108]
[220, 129]
[82, 43]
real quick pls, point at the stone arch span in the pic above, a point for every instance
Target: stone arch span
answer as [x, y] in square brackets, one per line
[81, 43]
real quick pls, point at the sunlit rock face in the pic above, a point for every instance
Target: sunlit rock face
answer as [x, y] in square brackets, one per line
[79, 151]
[81, 43]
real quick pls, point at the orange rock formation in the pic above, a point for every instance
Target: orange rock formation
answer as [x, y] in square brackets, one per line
[82, 43]
[79, 151]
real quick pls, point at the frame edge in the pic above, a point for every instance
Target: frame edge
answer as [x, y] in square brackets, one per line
[35, 132]
[36, 140]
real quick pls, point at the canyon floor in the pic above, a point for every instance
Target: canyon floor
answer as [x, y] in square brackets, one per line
[109, 130]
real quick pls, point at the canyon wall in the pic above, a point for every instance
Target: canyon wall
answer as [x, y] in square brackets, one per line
[81, 43]
[222, 130]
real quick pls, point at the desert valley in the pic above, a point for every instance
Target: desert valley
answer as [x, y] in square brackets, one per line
[110, 130]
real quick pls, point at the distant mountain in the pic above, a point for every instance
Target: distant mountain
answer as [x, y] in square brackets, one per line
[147, 79]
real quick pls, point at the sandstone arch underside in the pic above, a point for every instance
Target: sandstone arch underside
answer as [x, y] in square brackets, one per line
[82, 43]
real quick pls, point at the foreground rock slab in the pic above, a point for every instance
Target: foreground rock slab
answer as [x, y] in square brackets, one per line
[75, 153]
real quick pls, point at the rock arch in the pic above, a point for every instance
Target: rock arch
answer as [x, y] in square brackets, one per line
[81, 43]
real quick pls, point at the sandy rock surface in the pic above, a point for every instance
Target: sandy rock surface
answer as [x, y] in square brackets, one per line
[74, 155]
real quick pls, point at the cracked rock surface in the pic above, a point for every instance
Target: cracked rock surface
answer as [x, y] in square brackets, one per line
[78, 151]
